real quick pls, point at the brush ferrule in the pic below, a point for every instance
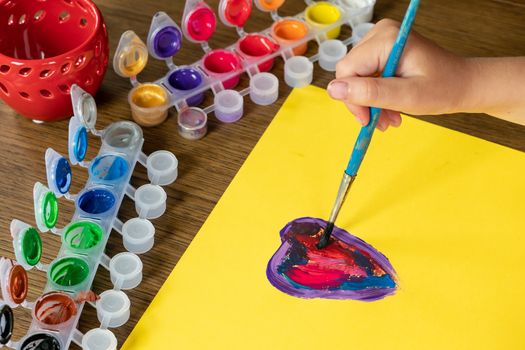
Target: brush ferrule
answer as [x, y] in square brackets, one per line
[344, 187]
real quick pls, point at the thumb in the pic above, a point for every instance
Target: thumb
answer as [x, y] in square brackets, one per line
[398, 94]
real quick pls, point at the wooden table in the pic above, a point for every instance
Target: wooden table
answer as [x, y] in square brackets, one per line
[468, 27]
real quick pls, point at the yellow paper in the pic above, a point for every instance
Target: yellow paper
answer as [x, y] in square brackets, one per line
[447, 209]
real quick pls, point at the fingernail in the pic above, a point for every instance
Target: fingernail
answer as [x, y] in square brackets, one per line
[361, 120]
[338, 90]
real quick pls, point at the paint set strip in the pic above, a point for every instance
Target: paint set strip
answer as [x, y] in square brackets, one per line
[56, 312]
[219, 70]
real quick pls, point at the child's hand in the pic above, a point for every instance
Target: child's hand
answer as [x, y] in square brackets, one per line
[429, 79]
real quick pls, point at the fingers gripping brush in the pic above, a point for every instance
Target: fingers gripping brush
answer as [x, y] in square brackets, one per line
[365, 135]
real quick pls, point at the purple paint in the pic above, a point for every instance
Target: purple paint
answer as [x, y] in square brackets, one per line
[167, 42]
[186, 79]
[348, 268]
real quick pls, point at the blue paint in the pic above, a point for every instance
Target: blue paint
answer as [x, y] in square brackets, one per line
[96, 201]
[80, 144]
[63, 175]
[186, 79]
[109, 167]
[365, 135]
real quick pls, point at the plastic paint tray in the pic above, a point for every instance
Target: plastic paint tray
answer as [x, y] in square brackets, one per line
[70, 275]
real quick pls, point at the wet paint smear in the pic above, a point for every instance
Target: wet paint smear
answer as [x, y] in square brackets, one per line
[6, 324]
[40, 341]
[348, 268]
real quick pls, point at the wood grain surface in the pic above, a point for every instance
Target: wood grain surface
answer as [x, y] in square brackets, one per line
[467, 27]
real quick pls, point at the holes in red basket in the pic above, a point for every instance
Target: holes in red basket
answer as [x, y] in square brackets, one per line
[39, 15]
[83, 22]
[22, 19]
[4, 69]
[46, 93]
[63, 16]
[63, 88]
[65, 68]
[25, 71]
[80, 61]
[46, 73]
[24, 95]
[4, 89]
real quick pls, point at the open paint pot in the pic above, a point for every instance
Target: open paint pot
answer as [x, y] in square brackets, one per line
[54, 311]
[109, 168]
[149, 104]
[268, 5]
[321, 14]
[69, 273]
[41, 340]
[289, 31]
[123, 135]
[217, 62]
[361, 11]
[82, 236]
[187, 79]
[192, 123]
[235, 13]
[96, 201]
[198, 25]
[256, 46]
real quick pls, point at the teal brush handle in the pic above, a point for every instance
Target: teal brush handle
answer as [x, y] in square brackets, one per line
[365, 135]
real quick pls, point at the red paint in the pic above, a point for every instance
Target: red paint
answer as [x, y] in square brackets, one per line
[257, 46]
[55, 308]
[42, 57]
[201, 23]
[18, 284]
[236, 12]
[222, 61]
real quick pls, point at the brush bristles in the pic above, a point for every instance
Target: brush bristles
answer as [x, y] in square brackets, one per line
[325, 238]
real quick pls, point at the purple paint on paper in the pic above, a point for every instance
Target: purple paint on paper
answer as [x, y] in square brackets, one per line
[348, 268]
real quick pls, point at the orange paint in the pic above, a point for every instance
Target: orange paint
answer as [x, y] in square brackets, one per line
[18, 284]
[269, 5]
[55, 308]
[288, 31]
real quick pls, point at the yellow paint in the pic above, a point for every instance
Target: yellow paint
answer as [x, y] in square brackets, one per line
[132, 58]
[321, 14]
[446, 208]
[149, 95]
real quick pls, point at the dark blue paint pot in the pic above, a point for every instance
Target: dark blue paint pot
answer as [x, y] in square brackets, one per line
[167, 42]
[63, 175]
[109, 167]
[186, 79]
[96, 201]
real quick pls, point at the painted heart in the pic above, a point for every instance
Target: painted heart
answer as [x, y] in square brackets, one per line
[348, 268]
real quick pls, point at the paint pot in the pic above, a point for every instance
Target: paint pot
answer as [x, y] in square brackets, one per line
[54, 311]
[298, 71]
[162, 168]
[192, 123]
[150, 201]
[7, 323]
[68, 273]
[235, 13]
[217, 62]
[321, 14]
[149, 104]
[288, 31]
[96, 201]
[39, 341]
[199, 24]
[360, 31]
[82, 236]
[108, 168]
[264, 89]
[256, 46]
[186, 79]
[138, 235]
[125, 270]
[123, 135]
[99, 339]
[331, 52]
[268, 5]
[113, 308]
[13, 282]
[229, 106]
[361, 11]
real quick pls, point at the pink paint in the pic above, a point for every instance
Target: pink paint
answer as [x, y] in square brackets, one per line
[200, 24]
[220, 62]
[254, 46]
[235, 12]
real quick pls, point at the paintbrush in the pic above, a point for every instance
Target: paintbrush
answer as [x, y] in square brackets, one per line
[365, 135]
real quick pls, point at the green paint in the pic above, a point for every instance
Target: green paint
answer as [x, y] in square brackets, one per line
[31, 246]
[68, 272]
[83, 235]
[49, 209]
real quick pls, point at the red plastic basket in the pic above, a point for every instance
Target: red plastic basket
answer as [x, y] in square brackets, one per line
[45, 47]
